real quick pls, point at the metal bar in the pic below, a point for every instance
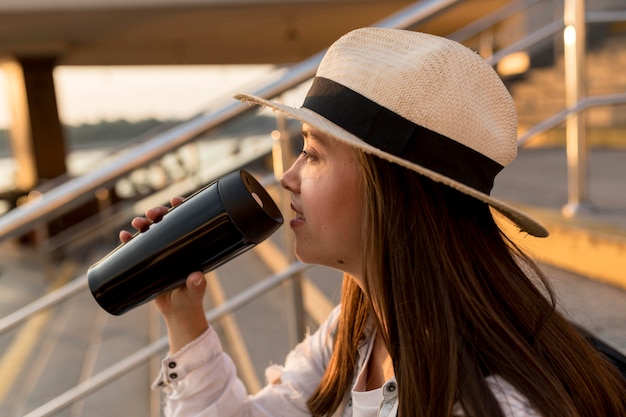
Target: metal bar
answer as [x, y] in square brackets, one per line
[491, 19]
[78, 190]
[603, 100]
[534, 38]
[418, 12]
[141, 356]
[316, 304]
[574, 40]
[609, 16]
[233, 337]
[560, 117]
[43, 303]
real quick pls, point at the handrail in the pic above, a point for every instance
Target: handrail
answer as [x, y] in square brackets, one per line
[491, 19]
[514, 7]
[534, 38]
[141, 356]
[606, 16]
[80, 189]
[45, 302]
[66, 291]
[560, 117]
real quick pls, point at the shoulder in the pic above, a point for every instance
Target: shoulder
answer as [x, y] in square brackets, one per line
[327, 330]
[332, 320]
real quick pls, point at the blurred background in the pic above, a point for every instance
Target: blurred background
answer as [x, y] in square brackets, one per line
[109, 107]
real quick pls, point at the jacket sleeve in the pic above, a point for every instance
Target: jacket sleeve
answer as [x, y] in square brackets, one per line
[200, 380]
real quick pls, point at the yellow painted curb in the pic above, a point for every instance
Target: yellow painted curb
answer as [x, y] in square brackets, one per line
[581, 247]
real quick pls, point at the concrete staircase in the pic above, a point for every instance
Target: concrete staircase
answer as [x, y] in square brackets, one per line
[541, 93]
[594, 243]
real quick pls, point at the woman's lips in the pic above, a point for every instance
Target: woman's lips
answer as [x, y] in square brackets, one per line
[299, 217]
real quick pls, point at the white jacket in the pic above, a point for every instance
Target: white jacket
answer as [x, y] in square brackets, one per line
[200, 381]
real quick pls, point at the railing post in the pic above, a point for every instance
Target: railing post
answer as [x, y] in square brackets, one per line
[283, 156]
[574, 39]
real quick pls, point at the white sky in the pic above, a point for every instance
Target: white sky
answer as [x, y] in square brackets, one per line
[91, 94]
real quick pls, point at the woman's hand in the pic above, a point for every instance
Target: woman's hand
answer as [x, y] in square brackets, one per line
[152, 215]
[182, 307]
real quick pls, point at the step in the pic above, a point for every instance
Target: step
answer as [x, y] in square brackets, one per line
[592, 243]
[580, 246]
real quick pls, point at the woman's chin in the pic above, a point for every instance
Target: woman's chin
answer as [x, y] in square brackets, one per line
[304, 256]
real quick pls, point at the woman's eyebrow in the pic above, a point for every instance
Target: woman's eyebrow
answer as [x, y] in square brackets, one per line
[310, 135]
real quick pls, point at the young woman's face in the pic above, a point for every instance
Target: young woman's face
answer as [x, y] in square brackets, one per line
[327, 198]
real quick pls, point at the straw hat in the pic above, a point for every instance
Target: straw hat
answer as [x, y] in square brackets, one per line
[421, 101]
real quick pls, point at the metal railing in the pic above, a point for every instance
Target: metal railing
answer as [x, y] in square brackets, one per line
[74, 192]
[560, 117]
[142, 356]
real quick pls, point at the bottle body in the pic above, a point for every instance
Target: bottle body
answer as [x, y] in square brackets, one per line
[211, 227]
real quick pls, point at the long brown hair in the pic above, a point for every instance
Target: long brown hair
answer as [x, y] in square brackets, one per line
[455, 301]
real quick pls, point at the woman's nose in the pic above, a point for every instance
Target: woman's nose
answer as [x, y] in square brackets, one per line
[289, 179]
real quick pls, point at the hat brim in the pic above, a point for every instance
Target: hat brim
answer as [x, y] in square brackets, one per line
[524, 222]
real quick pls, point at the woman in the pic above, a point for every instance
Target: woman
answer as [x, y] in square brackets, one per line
[440, 313]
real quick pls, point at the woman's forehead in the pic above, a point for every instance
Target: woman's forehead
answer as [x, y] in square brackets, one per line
[311, 133]
[309, 130]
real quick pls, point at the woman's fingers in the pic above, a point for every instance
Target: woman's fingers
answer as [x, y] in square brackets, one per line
[174, 201]
[153, 215]
[185, 299]
[141, 223]
[196, 284]
[125, 236]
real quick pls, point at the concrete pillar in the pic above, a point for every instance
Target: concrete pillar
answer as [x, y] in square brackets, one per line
[37, 137]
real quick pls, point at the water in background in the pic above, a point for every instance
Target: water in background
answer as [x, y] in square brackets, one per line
[204, 158]
[78, 161]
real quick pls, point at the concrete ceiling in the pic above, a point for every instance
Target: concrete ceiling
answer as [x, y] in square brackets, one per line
[161, 32]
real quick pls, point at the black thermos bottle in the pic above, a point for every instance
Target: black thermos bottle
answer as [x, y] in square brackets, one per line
[209, 228]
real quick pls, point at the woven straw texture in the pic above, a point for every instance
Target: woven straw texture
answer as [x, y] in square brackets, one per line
[433, 82]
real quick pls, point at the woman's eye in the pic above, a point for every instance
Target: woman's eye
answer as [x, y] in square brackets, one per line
[307, 156]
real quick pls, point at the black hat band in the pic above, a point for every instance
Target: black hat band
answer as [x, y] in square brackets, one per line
[391, 133]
